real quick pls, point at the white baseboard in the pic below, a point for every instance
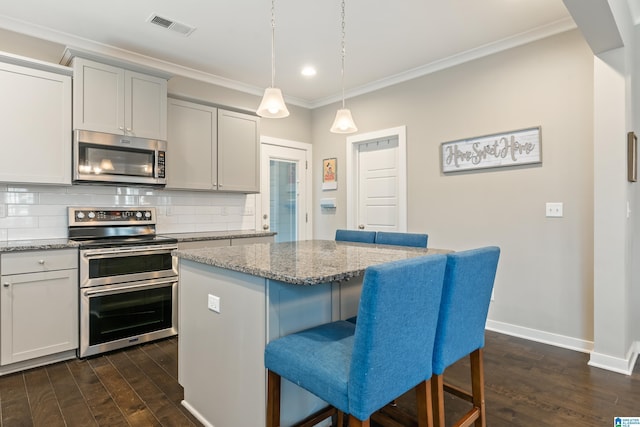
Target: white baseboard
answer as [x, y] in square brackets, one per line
[196, 414]
[616, 364]
[541, 336]
[597, 360]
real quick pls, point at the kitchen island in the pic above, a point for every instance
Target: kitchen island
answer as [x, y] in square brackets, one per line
[233, 300]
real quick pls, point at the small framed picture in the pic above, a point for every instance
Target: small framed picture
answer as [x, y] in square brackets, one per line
[330, 174]
[632, 157]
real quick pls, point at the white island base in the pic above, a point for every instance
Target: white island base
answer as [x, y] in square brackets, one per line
[221, 355]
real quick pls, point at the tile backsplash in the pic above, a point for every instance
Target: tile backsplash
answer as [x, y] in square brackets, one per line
[40, 212]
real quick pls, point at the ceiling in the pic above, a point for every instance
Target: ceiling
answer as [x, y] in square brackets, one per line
[386, 42]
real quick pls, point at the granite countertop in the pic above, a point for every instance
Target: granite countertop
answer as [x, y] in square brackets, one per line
[63, 243]
[308, 262]
[217, 235]
[30, 245]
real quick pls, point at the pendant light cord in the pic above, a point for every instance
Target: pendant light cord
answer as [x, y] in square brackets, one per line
[273, 43]
[343, 53]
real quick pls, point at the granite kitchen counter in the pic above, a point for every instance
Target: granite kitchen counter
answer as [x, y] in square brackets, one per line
[309, 262]
[31, 245]
[217, 235]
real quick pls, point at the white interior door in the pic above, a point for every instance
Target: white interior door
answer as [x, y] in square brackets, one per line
[376, 181]
[285, 193]
[378, 185]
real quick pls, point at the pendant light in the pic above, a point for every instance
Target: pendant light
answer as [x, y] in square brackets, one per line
[272, 105]
[344, 122]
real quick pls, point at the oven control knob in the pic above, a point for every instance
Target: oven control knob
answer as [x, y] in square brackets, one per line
[138, 214]
[147, 214]
[91, 215]
[80, 215]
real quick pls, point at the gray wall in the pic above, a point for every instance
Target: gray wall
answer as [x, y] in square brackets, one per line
[545, 278]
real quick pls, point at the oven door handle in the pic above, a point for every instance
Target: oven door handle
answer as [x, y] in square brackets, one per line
[128, 288]
[140, 250]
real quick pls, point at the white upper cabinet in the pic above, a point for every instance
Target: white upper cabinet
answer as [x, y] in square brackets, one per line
[209, 148]
[35, 113]
[118, 101]
[192, 146]
[238, 152]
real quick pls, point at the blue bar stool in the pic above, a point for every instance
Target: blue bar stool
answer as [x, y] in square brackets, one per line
[360, 236]
[358, 369]
[416, 240]
[466, 294]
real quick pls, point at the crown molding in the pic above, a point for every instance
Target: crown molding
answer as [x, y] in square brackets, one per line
[486, 50]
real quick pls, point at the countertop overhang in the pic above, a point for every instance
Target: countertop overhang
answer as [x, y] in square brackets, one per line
[308, 262]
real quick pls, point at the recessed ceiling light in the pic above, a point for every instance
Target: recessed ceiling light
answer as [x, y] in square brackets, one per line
[308, 71]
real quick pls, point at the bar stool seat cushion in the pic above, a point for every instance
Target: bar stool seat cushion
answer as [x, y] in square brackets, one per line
[317, 360]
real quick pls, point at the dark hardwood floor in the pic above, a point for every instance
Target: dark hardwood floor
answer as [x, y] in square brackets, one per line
[135, 387]
[527, 384]
[538, 385]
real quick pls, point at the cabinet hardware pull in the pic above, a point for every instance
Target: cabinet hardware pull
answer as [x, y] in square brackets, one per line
[41, 262]
[6, 284]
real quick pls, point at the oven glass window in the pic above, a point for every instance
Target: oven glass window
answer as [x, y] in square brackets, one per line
[134, 264]
[95, 159]
[128, 314]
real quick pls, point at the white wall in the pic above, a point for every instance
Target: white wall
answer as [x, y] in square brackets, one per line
[544, 286]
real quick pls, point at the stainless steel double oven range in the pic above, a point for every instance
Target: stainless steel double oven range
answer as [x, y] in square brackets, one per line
[128, 278]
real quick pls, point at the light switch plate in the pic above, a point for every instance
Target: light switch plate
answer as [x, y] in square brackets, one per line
[554, 209]
[213, 303]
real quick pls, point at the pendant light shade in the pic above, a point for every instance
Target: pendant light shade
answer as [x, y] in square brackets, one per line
[344, 122]
[272, 105]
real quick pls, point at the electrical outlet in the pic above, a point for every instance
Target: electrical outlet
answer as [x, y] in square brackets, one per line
[213, 303]
[554, 210]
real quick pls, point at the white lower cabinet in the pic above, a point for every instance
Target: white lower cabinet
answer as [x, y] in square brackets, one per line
[38, 304]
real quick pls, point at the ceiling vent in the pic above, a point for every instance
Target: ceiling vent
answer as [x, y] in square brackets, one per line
[172, 25]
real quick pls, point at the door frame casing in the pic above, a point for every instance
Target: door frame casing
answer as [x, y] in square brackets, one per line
[353, 170]
[308, 148]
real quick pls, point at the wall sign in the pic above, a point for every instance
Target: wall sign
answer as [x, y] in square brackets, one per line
[514, 148]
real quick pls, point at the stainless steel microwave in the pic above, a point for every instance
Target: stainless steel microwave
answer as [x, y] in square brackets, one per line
[104, 158]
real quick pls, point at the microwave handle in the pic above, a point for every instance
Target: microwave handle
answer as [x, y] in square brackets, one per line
[160, 165]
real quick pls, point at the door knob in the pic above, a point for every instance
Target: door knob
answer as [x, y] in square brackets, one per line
[6, 284]
[265, 227]
[361, 227]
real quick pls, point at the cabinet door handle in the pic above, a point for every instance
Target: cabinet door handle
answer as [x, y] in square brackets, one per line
[6, 284]
[41, 262]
